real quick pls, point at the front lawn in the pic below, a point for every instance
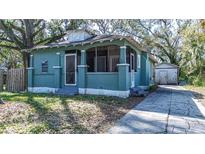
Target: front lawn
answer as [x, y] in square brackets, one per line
[46, 113]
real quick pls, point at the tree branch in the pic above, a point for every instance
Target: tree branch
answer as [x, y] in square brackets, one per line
[10, 34]
[5, 39]
[50, 39]
[9, 47]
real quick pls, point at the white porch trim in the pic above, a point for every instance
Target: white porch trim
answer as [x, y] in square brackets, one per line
[123, 64]
[30, 68]
[105, 92]
[82, 66]
[123, 47]
[57, 67]
[42, 89]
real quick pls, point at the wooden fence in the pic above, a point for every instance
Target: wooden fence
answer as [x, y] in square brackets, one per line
[1, 80]
[15, 80]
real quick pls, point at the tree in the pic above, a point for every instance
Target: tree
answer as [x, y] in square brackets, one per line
[26, 33]
[161, 37]
[103, 26]
[193, 51]
[10, 59]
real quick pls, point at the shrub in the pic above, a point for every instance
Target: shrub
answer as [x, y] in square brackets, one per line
[197, 80]
[153, 87]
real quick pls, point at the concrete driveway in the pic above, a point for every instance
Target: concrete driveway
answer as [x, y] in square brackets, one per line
[169, 110]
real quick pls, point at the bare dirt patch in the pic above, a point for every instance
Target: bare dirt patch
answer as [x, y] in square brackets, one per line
[40, 113]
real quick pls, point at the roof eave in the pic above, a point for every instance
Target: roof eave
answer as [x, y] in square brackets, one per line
[122, 38]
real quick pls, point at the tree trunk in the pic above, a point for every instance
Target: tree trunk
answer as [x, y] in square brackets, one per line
[25, 65]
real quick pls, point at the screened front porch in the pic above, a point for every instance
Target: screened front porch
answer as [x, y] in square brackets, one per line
[108, 68]
[106, 58]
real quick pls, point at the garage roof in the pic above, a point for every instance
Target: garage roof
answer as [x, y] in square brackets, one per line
[166, 65]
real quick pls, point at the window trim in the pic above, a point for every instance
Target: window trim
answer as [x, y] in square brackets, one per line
[138, 61]
[43, 62]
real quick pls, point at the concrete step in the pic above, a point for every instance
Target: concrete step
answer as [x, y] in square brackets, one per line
[137, 91]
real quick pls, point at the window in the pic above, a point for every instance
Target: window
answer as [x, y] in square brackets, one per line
[132, 61]
[103, 59]
[138, 61]
[45, 66]
[29, 60]
[131, 58]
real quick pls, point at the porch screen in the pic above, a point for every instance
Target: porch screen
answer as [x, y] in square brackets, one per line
[103, 59]
[91, 60]
[114, 57]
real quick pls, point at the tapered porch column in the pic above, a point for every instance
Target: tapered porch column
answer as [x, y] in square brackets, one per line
[123, 70]
[82, 70]
[30, 73]
[144, 69]
[57, 71]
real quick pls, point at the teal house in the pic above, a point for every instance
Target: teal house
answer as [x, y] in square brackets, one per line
[85, 63]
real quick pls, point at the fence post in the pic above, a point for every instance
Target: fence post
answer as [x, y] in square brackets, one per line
[1, 80]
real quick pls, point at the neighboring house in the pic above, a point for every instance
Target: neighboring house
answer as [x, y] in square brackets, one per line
[89, 64]
[166, 73]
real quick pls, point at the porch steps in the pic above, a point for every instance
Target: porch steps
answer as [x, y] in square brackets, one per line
[67, 91]
[138, 91]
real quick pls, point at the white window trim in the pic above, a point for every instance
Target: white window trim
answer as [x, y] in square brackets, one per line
[132, 71]
[138, 61]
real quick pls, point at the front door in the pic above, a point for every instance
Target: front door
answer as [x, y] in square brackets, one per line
[132, 70]
[70, 69]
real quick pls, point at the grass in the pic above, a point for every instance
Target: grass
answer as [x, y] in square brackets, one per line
[47, 113]
[198, 91]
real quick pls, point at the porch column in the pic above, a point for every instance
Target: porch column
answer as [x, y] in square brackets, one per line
[123, 70]
[82, 70]
[144, 69]
[30, 73]
[57, 71]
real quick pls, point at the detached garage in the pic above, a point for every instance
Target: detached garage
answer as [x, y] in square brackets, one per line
[166, 73]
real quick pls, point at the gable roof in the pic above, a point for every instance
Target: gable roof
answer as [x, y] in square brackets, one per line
[167, 64]
[91, 40]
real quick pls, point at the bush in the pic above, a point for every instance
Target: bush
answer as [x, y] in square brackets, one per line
[197, 80]
[153, 88]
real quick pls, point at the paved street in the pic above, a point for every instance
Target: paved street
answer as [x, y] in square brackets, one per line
[169, 110]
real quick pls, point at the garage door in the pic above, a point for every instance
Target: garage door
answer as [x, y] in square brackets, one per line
[163, 77]
[172, 76]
